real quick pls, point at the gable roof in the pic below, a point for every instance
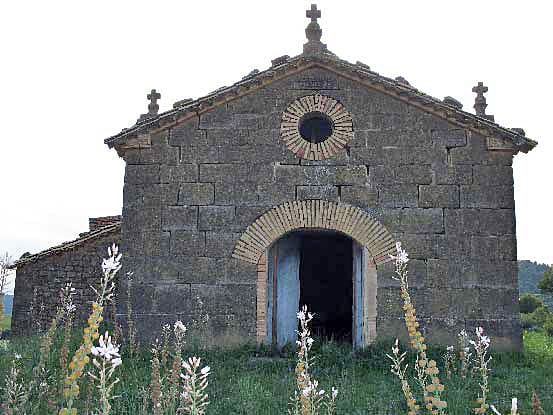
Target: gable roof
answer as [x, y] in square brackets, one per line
[113, 227]
[285, 66]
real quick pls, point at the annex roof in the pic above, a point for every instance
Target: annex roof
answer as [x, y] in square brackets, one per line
[114, 226]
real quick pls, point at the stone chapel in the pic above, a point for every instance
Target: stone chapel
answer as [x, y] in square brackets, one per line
[291, 187]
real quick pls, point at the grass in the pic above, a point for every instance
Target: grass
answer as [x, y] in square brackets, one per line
[244, 381]
[6, 323]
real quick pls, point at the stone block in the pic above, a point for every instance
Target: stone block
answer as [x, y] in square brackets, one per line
[485, 196]
[188, 243]
[220, 244]
[438, 196]
[498, 303]
[221, 299]
[416, 220]
[173, 298]
[321, 175]
[507, 249]
[196, 194]
[187, 134]
[405, 174]
[452, 174]
[361, 196]
[387, 273]
[268, 153]
[246, 215]
[180, 218]
[451, 303]
[389, 302]
[396, 155]
[238, 271]
[421, 246]
[182, 173]
[485, 247]
[142, 174]
[236, 173]
[399, 195]
[141, 219]
[199, 154]
[370, 155]
[476, 152]
[200, 270]
[236, 194]
[480, 221]
[317, 192]
[153, 243]
[454, 137]
[493, 175]
[274, 193]
[150, 195]
[215, 218]
[441, 275]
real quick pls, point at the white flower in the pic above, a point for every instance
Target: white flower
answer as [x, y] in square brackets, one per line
[463, 333]
[450, 348]
[402, 257]
[17, 356]
[395, 348]
[321, 392]
[179, 326]
[309, 341]
[334, 392]
[301, 315]
[205, 371]
[106, 350]
[111, 264]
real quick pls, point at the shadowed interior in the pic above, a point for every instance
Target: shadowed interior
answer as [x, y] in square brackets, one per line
[326, 287]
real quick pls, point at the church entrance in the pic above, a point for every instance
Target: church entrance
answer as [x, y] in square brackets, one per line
[326, 285]
[320, 269]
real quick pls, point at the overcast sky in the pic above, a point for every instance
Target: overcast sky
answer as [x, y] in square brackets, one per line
[74, 73]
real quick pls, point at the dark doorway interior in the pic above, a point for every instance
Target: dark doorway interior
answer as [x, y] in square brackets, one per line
[326, 286]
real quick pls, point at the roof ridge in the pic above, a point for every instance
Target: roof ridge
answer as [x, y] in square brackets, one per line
[64, 246]
[302, 62]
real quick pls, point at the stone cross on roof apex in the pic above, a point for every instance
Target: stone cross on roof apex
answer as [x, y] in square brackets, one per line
[480, 101]
[314, 46]
[153, 107]
[313, 13]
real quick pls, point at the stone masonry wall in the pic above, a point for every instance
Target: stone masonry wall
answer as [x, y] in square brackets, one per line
[434, 185]
[48, 275]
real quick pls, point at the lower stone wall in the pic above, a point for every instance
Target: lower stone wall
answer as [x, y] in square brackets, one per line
[38, 283]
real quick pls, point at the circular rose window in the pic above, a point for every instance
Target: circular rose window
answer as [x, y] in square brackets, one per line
[316, 127]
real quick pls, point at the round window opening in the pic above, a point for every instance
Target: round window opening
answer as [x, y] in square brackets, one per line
[316, 127]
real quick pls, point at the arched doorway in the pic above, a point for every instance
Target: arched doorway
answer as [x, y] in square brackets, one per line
[323, 270]
[275, 241]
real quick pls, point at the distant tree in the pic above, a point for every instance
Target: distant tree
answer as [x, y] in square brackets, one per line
[5, 262]
[546, 283]
[529, 303]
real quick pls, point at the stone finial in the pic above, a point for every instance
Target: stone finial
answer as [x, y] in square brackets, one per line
[453, 102]
[314, 33]
[480, 101]
[153, 107]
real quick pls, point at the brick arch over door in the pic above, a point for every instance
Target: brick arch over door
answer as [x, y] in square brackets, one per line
[372, 236]
[314, 214]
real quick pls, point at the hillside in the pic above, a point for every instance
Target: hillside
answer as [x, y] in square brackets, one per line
[529, 275]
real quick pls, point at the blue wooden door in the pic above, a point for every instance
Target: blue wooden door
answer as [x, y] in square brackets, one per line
[283, 290]
[359, 264]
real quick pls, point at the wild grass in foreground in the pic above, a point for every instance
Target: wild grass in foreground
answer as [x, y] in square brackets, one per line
[5, 323]
[37, 378]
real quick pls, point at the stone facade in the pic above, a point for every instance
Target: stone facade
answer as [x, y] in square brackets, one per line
[39, 281]
[434, 185]
[213, 183]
